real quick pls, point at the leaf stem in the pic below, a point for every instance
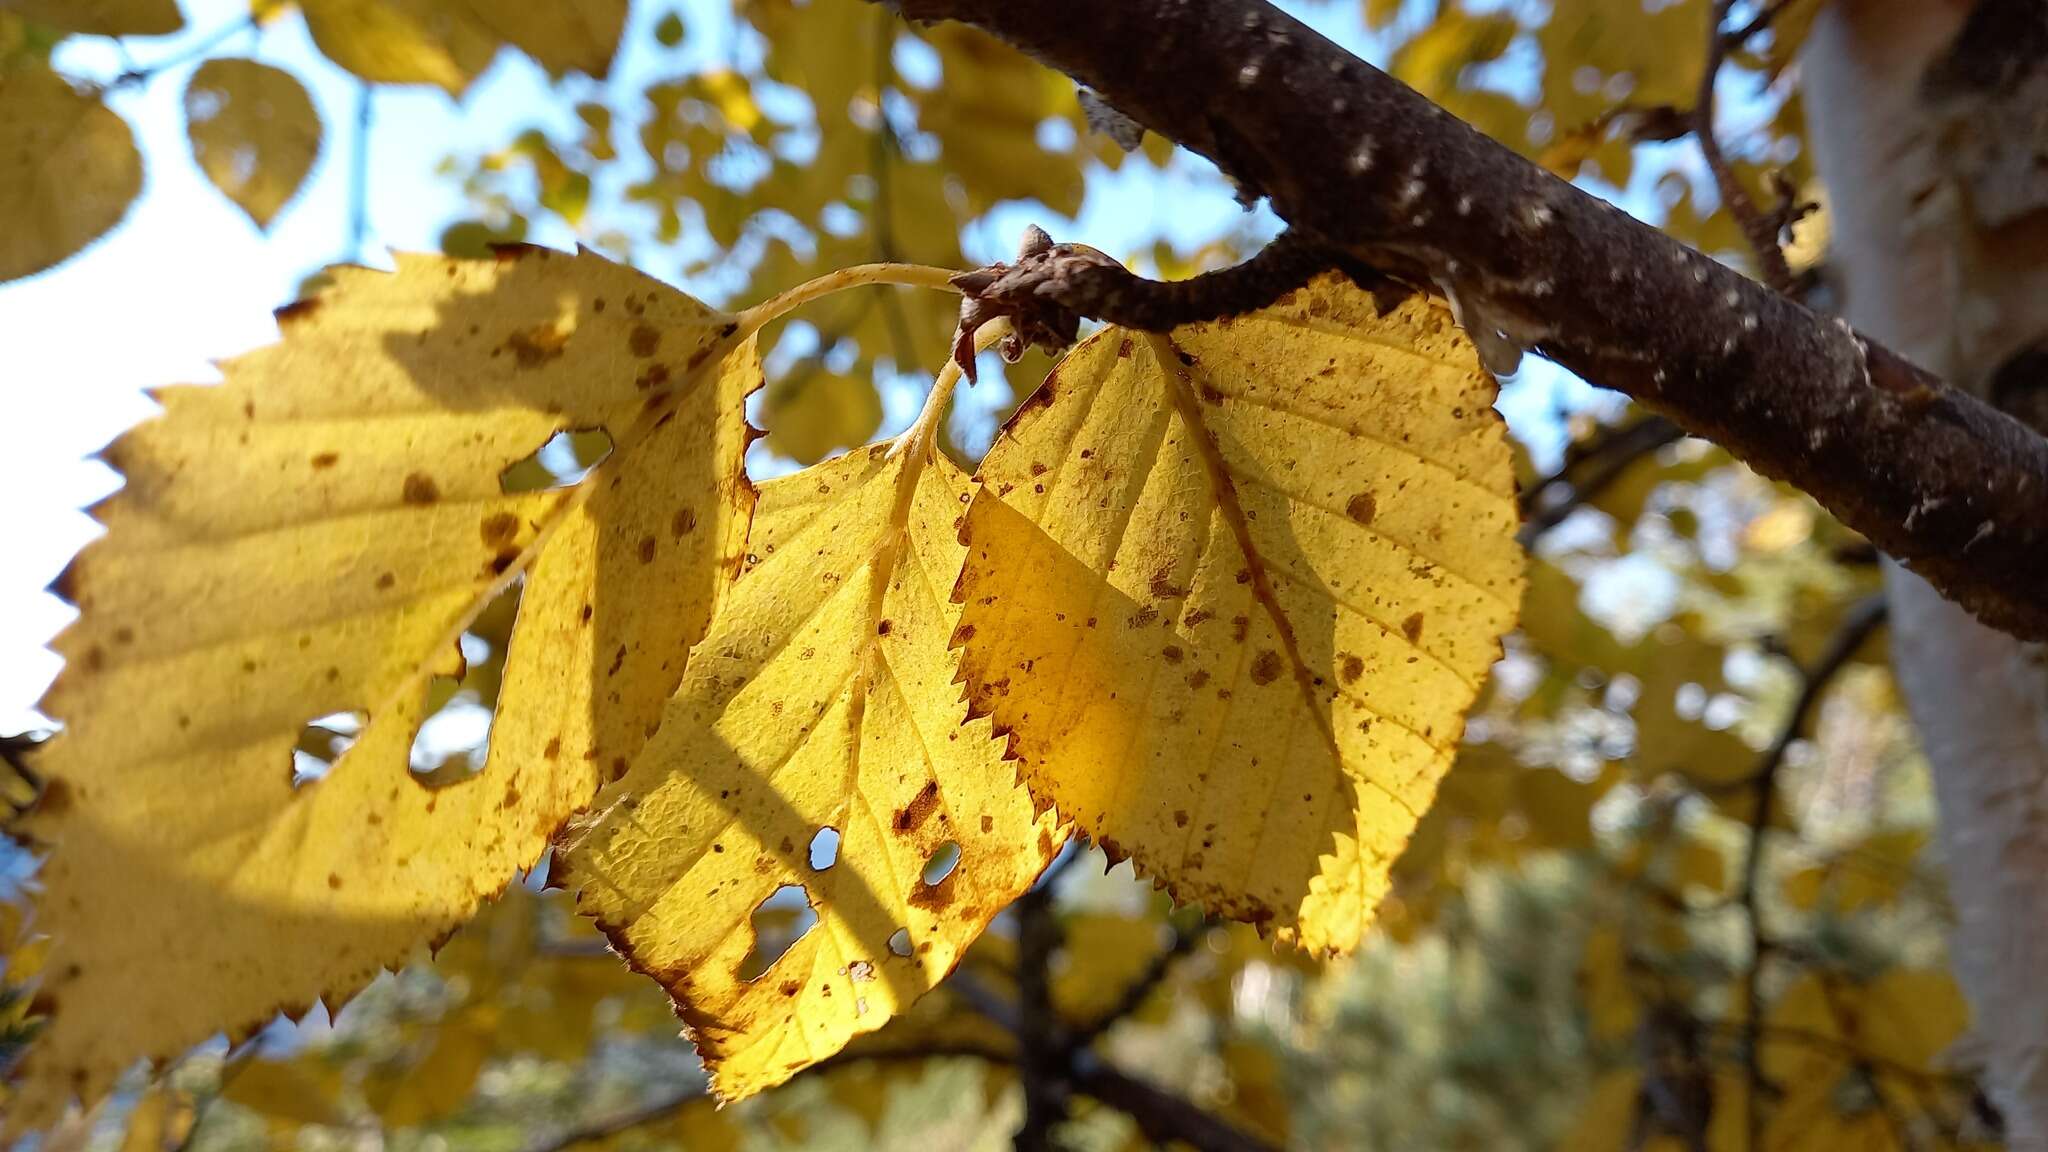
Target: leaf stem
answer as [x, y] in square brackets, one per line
[922, 434]
[859, 276]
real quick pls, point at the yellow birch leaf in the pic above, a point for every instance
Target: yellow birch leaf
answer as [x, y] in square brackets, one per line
[254, 133]
[313, 536]
[1232, 592]
[68, 171]
[561, 35]
[402, 41]
[160, 1121]
[101, 17]
[822, 697]
[815, 411]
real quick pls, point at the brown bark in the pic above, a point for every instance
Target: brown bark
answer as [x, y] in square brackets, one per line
[1360, 163]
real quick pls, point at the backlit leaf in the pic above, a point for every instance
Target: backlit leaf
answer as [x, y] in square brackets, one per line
[821, 699]
[1231, 593]
[402, 41]
[304, 540]
[254, 133]
[68, 170]
[561, 35]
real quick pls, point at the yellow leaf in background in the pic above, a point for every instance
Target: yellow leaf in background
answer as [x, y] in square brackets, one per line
[254, 133]
[160, 1121]
[822, 698]
[986, 119]
[437, 1083]
[1232, 592]
[1613, 1008]
[313, 536]
[68, 171]
[1380, 13]
[402, 41]
[101, 17]
[1607, 1123]
[812, 413]
[561, 35]
[1105, 954]
[1700, 865]
[1434, 60]
[1642, 54]
[280, 1090]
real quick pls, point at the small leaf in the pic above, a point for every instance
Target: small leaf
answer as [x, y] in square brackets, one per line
[1232, 592]
[254, 133]
[68, 171]
[821, 701]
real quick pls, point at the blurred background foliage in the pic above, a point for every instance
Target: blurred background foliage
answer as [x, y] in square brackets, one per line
[1682, 875]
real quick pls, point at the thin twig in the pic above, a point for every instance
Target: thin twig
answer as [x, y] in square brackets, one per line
[1043, 1067]
[1856, 627]
[1758, 229]
[359, 178]
[204, 46]
[1603, 462]
[1165, 1117]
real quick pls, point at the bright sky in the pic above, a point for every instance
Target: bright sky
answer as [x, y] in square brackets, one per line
[186, 278]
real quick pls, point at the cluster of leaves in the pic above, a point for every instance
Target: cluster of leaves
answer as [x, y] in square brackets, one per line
[73, 166]
[1227, 592]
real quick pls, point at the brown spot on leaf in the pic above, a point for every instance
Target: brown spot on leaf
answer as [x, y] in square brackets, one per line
[554, 748]
[646, 550]
[534, 347]
[1361, 508]
[333, 880]
[1266, 668]
[421, 489]
[1351, 669]
[644, 340]
[386, 580]
[682, 523]
[1173, 653]
[324, 460]
[914, 814]
[882, 629]
[499, 529]
[653, 377]
[1412, 627]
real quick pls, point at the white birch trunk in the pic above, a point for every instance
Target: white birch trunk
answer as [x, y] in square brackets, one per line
[1926, 267]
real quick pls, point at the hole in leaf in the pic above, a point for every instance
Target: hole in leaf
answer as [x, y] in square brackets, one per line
[941, 862]
[321, 743]
[567, 457]
[779, 922]
[455, 738]
[824, 849]
[899, 942]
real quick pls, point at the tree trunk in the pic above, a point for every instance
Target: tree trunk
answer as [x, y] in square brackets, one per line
[1932, 148]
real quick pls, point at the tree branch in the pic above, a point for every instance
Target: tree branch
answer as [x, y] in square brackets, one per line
[1761, 231]
[1862, 620]
[1360, 163]
[1163, 1116]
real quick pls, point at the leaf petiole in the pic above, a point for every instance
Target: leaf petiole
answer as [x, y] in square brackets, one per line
[922, 434]
[759, 316]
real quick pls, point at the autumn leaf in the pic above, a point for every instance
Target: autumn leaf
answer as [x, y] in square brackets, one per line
[103, 17]
[68, 170]
[1231, 592]
[254, 133]
[821, 704]
[312, 537]
[434, 42]
[561, 35]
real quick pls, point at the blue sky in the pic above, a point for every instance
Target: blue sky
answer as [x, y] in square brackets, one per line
[187, 279]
